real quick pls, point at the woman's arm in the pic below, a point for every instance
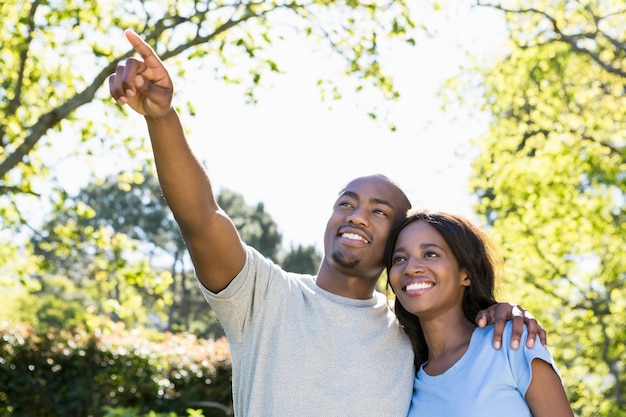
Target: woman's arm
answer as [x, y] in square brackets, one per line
[546, 396]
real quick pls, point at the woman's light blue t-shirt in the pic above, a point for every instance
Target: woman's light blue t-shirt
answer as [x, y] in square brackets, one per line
[485, 381]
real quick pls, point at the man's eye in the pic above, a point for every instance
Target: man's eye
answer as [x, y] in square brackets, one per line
[379, 211]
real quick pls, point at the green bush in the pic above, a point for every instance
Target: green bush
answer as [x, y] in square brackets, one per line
[132, 412]
[72, 373]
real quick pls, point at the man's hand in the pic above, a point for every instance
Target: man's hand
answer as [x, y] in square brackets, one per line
[144, 85]
[499, 314]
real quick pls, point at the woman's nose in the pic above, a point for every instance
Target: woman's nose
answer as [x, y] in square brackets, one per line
[413, 266]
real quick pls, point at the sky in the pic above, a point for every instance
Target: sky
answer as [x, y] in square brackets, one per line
[293, 154]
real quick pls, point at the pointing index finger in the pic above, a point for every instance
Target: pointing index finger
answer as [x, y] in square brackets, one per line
[145, 51]
[152, 67]
[139, 44]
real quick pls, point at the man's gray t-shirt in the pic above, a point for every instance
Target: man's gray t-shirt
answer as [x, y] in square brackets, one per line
[298, 350]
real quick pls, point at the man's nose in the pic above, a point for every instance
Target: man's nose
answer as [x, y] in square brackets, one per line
[359, 217]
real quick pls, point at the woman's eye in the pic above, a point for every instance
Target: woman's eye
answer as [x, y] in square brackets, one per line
[431, 254]
[397, 259]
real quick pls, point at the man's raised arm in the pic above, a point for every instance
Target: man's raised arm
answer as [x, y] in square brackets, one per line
[213, 242]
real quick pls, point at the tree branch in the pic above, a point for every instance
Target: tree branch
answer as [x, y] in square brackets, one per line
[572, 40]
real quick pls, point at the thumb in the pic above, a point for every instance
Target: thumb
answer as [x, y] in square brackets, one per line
[156, 97]
[483, 318]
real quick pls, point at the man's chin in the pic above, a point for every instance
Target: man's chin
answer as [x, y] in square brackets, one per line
[346, 260]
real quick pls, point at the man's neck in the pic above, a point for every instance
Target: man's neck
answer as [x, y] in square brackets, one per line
[343, 284]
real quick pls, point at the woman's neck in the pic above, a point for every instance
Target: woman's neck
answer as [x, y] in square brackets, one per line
[447, 342]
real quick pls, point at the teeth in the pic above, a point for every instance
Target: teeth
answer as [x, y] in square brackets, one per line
[419, 286]
[353, 236]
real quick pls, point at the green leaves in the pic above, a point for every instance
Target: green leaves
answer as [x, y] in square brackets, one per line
[56, 58]
[551, 184]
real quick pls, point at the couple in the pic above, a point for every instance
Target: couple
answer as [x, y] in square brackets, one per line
[325, 345]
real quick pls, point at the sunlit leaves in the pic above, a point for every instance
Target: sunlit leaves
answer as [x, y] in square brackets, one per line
[550, 181]
[57, 55]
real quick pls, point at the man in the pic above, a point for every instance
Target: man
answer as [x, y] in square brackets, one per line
[300, 345]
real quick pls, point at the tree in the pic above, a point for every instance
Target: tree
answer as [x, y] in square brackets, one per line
[130, 209]
[255, 226]
[549, 181]
[55, 60]
[302, 259]
[132, 203]
[56, 56]
[102, 269]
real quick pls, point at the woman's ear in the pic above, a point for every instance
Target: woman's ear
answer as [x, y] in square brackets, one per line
[466, 281]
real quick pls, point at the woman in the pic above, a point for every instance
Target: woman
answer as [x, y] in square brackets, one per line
[442, 270]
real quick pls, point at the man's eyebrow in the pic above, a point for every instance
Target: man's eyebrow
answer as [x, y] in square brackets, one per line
[383, 202]
[348, 193]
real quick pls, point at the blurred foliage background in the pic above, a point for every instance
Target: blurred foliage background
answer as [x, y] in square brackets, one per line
[548, 178]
